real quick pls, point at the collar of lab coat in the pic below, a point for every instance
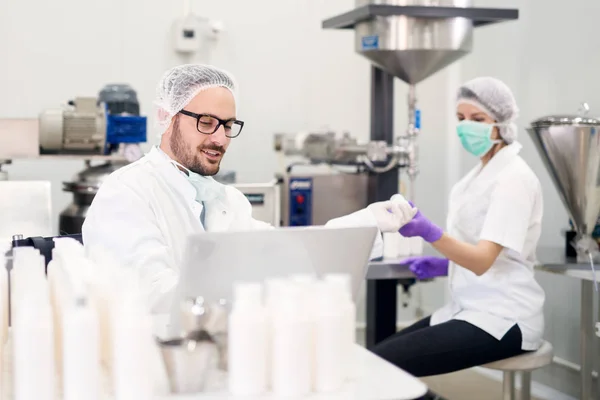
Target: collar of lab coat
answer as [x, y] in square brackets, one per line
[218, 214]
[480, 178]
[164, 165]
[499, 161]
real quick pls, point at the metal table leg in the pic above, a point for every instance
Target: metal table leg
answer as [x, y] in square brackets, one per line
[586, 345]
[381, 310]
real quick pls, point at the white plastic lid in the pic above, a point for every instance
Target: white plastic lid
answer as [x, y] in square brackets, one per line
[247, 294]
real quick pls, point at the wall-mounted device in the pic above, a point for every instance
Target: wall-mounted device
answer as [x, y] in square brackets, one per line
[191, 30]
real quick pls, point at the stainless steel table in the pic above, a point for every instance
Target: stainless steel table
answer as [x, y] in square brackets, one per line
[553, 260]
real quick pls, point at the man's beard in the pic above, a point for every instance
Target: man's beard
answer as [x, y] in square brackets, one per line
[188, 158]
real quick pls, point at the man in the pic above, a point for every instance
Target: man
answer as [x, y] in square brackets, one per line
[143, 212]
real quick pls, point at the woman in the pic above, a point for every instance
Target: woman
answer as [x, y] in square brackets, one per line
[494, 224]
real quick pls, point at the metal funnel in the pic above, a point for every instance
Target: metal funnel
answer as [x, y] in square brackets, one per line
[413, 49]
[413, 39]
[570, 148]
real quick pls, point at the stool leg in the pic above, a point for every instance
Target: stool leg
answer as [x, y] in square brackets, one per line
[525, 385]
[508, 390]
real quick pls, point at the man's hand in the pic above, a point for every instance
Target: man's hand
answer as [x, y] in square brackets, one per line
[391, 216]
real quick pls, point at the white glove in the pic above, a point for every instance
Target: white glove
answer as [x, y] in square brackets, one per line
[392, 215]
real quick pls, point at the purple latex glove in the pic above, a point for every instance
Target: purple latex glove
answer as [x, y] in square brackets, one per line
[421, 226]
[426, 267]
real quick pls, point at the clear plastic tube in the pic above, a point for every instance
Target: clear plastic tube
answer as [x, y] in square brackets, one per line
[593, 270]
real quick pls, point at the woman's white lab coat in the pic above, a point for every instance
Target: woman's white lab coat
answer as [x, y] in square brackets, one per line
[144, 212]
[501, 203]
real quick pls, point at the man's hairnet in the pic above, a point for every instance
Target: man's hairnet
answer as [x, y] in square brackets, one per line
[181, 84]
[496, 100]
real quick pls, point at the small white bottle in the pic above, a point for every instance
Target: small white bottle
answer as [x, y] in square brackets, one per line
[291, 351]
[343, 290]
[247, 341]
[33, 340]
[330, 339]
[132, 340]
[81, 352]
[273, 288]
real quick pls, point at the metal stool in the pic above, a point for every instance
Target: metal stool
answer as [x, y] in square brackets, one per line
[524, 363]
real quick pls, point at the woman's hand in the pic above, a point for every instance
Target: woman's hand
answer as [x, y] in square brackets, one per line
[391, 216]
[419, 225]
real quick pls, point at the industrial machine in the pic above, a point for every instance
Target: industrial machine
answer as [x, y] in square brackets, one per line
[570, 148]
[410, 40]
[107, 125]
[264, 198]
[90, 125]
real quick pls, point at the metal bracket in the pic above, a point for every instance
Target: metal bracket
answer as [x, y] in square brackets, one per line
[479, 16]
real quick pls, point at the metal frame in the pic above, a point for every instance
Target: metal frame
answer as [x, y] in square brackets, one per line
[479, 16]
[381, 298]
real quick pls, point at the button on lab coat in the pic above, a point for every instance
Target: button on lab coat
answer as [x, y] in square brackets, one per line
[501, 203]
[143, 213]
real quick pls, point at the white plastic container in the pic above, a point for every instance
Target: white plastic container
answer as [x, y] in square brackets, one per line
[33, 341]
[273, 288]
[343, 290]
[247, 341]
[416, 246]
[132, 350]
[291, 352]
[330, 343]
[81, 352]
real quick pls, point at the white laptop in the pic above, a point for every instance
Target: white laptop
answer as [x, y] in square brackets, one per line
[213, 261]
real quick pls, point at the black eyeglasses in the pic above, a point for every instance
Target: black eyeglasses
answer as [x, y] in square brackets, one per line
[209, 124]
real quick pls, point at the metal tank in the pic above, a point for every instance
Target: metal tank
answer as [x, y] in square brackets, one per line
[84, 187]
[414, 48]
[570, 148]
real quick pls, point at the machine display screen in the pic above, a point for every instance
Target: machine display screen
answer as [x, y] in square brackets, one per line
[255, 199]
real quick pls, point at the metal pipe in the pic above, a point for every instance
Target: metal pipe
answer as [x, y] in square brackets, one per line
[508, 383]
[413, 129]
[586, 343]
[525, 385]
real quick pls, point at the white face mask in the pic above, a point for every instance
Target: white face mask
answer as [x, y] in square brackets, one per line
[207, 189]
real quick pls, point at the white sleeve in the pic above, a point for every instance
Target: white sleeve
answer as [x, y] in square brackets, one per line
[121, 222]
[360, 218]
[509, 213]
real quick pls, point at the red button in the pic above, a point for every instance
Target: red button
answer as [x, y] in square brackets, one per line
[300, 199]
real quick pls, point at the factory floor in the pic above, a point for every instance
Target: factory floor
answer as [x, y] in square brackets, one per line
[462, 385]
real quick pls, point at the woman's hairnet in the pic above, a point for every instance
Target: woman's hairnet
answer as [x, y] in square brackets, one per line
[495, 98]
[181, 84]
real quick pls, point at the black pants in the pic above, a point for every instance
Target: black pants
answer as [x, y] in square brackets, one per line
[424, 350]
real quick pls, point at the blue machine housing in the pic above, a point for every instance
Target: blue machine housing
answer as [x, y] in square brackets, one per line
[125, 129]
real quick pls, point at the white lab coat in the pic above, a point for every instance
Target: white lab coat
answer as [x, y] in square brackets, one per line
[144, 212]
[501, 203]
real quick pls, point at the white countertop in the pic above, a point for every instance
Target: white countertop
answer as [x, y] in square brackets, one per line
[373, 378]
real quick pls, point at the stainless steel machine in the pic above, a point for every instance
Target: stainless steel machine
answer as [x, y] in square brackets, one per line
[265, 200]
[570, 148]
[410, 40]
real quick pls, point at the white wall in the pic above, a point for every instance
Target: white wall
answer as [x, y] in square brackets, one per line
[295, 76]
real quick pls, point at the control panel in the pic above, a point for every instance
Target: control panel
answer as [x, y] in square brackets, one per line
[301, 190]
